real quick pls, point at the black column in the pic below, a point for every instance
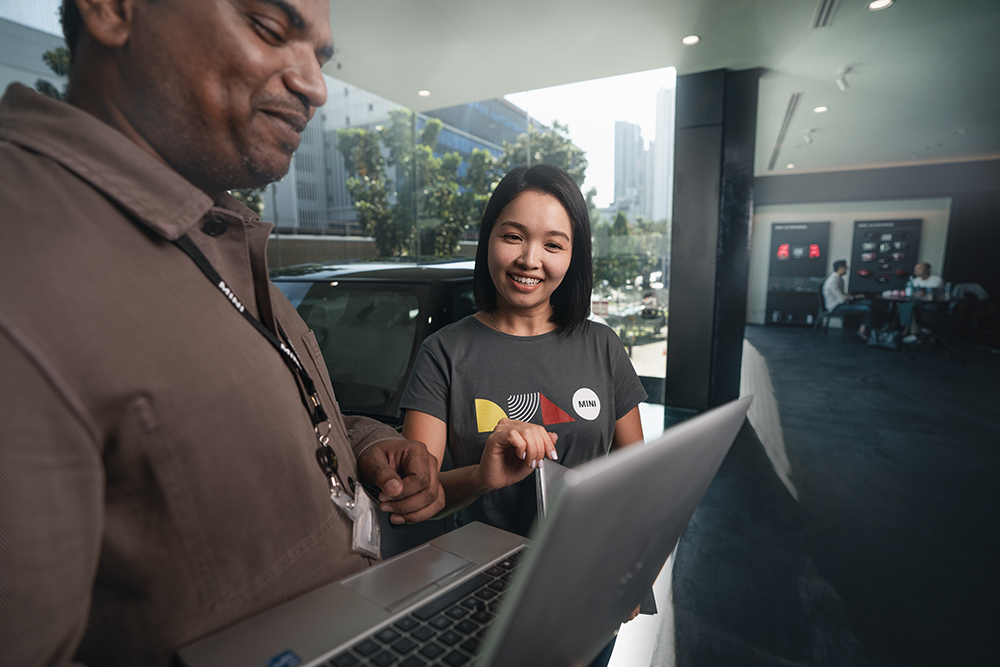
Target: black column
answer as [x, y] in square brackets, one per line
[710, 253]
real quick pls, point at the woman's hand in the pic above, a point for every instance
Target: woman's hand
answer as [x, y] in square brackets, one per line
[513, 451]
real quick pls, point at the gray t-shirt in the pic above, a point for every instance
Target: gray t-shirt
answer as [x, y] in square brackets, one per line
[576, 385]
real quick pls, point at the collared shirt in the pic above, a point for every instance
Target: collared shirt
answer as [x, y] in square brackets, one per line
[833, 291]
[157, 471]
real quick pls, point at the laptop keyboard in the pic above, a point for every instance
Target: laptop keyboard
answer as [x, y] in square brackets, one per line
[446, 631]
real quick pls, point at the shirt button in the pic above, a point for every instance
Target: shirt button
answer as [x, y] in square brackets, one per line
[214, 227]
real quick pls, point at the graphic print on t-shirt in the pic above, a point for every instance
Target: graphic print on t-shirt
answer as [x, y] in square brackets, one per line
[586, 403]
[525, 408]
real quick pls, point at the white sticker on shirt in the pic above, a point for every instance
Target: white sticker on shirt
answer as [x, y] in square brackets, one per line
[587, 404]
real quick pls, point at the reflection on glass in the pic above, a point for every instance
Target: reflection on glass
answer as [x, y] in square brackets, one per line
[375, 179]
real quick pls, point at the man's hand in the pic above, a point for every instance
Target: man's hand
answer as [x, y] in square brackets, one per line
[513, 451]
[407, 475]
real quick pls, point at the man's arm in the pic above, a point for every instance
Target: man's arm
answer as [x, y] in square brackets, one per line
[51, 498]
[404, 470]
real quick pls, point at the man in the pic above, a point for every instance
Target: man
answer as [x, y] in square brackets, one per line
[158, 450]
[840, 302]
[925, 286]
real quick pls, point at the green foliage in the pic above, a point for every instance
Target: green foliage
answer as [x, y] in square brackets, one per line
[368, 189]
[57, 60]
[430, 197]
[252, 198]
[595, 217]
[429, 193]
[620, 226]
[622, 252]
[549, 146]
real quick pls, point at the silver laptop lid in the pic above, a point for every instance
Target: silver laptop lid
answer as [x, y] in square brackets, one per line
[608, 529]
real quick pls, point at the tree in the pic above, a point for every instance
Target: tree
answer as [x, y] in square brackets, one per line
[620, 226]
[58, 61]
[367, 186]
[252, 198]
[595, 216]
[548, 146]
[624, 252]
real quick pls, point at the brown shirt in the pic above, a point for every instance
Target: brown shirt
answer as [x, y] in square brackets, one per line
[157, 469]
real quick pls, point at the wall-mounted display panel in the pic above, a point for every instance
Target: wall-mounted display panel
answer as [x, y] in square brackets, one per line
[884, 254]
[797, 268]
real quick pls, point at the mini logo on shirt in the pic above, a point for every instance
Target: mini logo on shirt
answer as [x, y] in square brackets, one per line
[587, 404]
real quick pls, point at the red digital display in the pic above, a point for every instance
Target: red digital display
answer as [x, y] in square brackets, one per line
[813, 251]
[783, 251]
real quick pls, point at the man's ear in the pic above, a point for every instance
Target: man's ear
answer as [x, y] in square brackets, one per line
[109, 22]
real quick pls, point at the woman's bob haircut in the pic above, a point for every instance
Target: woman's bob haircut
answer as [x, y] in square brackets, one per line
[571, 300]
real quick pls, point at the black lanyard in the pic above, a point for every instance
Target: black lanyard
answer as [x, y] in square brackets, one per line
[310, 397]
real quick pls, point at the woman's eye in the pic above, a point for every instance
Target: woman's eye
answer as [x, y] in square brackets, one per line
[512, 237]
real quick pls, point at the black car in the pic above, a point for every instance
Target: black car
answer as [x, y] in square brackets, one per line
[370, 318]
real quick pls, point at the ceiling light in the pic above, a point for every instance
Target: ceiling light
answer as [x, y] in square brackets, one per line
[424, 93]
[789, 166]
[690, 40]
[821, 109]
[876, 5]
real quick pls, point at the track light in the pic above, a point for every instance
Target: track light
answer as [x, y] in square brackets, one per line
[842, 78]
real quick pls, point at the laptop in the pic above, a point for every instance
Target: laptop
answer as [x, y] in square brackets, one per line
[482, 596]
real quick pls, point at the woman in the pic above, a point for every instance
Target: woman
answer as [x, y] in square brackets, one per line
[528, 377]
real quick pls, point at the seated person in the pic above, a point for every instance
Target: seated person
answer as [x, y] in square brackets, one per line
[925, 286]
[839, 301]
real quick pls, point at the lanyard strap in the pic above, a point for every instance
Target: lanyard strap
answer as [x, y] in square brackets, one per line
[310, 397]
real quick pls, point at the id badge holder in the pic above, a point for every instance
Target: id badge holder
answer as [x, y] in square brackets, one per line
[367, 539]
[363, 513]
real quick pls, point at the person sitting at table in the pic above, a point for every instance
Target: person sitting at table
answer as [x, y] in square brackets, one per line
[839, 301]
[925, 286]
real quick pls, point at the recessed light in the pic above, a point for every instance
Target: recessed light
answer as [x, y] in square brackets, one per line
[821, 109]
[789, 166]
[424, 93]
[876, 5]
[690, 40]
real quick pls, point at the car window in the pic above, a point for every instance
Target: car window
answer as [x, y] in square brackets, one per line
[463, 303]
[366, 336]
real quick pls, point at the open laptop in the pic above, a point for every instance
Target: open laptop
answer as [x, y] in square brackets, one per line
[482, 596]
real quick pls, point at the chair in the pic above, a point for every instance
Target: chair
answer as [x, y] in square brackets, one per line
[823, 316]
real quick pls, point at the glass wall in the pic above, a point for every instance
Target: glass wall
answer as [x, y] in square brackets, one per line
[374, 179]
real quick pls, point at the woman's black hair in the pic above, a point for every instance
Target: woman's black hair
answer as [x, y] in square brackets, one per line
[571, 300]
[72, 23]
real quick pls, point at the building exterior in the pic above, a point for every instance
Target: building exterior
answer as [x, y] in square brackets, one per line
[662, 186]
[630, 169]
[21, 50]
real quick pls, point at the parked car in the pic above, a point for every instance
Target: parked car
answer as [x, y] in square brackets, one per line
[370, 317]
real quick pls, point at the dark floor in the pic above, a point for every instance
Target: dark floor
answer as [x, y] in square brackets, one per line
[890, 555]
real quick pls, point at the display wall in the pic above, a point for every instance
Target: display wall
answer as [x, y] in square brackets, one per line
[797, 267]
[842, 216]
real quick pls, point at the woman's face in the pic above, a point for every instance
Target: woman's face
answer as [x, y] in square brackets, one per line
[531, 246]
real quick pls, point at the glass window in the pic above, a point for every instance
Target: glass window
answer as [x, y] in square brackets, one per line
[367, 337]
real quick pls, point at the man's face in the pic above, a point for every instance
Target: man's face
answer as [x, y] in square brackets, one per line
[841, 270]
[921, 270]
[222, 89]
